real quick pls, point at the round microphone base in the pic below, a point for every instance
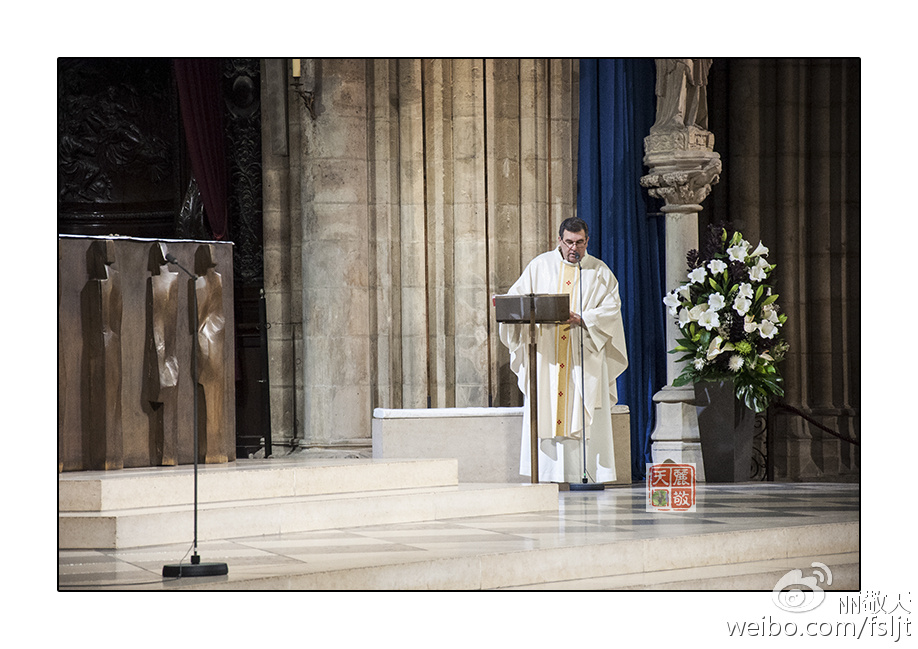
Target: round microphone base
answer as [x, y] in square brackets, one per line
[195, 570]
[586, 486]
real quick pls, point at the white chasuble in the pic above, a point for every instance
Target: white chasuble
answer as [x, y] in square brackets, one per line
[563, 379]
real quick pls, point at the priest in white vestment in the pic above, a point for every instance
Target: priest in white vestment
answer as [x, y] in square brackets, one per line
[561, 385]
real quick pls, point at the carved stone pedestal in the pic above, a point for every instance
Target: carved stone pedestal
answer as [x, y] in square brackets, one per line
[676, 148]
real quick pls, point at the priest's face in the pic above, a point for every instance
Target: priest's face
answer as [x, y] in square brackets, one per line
[573, 245]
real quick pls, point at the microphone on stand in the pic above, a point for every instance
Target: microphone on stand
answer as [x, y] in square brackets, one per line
[584, 486]
[195, 568]
[583, 439]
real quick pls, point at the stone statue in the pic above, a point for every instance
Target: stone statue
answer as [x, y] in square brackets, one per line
[681, 94]
[160, 361]
[211, 364]
[102, 309]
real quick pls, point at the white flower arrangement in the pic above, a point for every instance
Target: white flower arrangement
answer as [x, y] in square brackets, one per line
[729, 319]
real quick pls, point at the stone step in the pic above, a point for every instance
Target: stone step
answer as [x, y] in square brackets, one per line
[701, 560]
[103, 491]
[748, 576]
[159, 525]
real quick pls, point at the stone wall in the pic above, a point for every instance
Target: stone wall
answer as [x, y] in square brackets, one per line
[789, 133]
[399, 196]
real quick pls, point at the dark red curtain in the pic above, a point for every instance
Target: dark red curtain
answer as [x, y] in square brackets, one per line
[201, 103]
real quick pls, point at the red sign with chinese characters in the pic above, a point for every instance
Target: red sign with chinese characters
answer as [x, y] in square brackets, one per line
[670, 487]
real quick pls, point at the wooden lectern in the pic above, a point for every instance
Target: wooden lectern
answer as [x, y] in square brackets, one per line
[533, 309]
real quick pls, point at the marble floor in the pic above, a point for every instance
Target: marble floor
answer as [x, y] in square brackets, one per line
[584, 520]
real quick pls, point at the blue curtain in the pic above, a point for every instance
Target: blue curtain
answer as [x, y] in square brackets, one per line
[616, 112]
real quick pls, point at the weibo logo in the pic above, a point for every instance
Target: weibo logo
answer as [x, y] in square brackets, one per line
[798, 594]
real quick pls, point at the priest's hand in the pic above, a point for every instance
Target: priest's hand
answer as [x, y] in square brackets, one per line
[575, 320]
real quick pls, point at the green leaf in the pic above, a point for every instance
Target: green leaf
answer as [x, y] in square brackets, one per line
[770, 299]
[704, 338]
[681, 380]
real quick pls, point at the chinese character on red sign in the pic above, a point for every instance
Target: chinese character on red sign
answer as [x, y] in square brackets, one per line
[671, 487]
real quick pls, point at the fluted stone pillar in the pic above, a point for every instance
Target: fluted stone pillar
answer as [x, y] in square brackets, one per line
[335, 259]
[679, 153]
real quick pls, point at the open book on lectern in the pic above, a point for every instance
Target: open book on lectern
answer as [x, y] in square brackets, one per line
[548, 308]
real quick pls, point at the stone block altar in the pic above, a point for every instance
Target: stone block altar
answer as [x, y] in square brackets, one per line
[127, 330]
[485, 441]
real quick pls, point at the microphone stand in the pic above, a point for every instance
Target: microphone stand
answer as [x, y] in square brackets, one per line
[196, 568]
[585, 485]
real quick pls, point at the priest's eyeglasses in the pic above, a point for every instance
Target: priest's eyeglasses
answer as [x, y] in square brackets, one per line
[579, 243]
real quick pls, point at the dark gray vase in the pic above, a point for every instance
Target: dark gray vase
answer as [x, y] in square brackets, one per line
[727, 428]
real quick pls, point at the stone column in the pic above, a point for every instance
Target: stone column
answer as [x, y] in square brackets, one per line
[335, 260]
[283, 241]
[471, 300]
[679, 153]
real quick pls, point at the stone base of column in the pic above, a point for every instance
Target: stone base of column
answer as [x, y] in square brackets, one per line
[680, 453]
[676, 436]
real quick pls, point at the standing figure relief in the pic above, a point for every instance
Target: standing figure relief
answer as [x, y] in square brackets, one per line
[211, 358]
[161, 367]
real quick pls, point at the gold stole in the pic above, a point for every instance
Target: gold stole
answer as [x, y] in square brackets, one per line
[567, 283]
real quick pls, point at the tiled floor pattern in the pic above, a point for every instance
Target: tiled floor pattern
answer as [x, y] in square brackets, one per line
[583, 519]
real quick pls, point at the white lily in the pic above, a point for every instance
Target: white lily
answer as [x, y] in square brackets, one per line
[742, 305]
[672, 301]
[767, 329]
[696, 311]
[739, 252]
[770, 313]
[745, 290]
[757, 273]
[760, 251]
[749, 324]
[717, 266]
[716, 301]
[684, 317]
[697, 275]
[709, 319]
